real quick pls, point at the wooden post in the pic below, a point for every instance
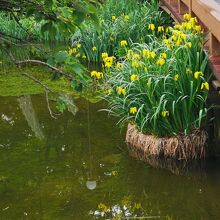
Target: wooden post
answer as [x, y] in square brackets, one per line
[214, 45]
[179, 6]
[190, 8]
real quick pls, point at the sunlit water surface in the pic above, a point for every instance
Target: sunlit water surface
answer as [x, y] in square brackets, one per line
[77, 167]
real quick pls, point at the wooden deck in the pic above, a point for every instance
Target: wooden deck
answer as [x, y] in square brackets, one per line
[208, 14]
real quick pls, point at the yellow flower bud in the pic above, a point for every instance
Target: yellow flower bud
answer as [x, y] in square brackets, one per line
[94, 49]
[165, 114]
[113, 17]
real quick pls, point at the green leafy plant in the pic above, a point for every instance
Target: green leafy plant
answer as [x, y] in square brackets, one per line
[120, 20]
[161, 87]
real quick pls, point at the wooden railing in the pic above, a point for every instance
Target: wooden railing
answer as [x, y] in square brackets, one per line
[210, 23]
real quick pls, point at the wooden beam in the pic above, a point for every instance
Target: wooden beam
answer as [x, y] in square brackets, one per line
[214, 45]
[204, 14]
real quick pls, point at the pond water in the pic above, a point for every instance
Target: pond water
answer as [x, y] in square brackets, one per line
[77, 167]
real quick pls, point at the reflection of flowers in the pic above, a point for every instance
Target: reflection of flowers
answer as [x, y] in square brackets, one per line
[125, 209]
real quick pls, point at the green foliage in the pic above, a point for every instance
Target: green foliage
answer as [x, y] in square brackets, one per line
[38, 25]
[162, 87]
[120, 20]
[53, 16]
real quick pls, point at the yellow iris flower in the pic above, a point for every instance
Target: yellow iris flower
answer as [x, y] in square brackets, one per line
[104, 55]
[135, 64]
[151, 27]
[78, 55]
[153, 55]
[198, 74]
[133, 110]
[123, 43]
[186, 17]
[205, 86]
[146, 53]
[161, 62]
[176, 77]
[134, 77]
[163, 55]
[160, 29]
[120, 90]
[97, 75]
[119, 65]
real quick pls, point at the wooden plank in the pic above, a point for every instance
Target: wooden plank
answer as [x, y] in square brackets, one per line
[214, 45]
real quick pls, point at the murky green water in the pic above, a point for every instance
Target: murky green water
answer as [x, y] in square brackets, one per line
[63, 169]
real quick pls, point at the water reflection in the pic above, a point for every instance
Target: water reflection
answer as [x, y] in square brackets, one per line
[28, 111]
[90, 183]
[177, 167]
[71, 106]
[82, 162]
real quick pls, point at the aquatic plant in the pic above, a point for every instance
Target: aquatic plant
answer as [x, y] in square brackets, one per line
[161, 87]
[119, 21]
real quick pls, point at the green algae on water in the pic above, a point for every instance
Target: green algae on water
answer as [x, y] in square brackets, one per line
[14, 84]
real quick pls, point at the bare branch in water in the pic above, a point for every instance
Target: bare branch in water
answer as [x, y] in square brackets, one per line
[52, 114]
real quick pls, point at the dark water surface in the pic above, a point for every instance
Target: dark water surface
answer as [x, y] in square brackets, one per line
[63, 169]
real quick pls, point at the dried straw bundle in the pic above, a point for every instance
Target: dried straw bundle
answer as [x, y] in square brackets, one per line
[181, 147]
